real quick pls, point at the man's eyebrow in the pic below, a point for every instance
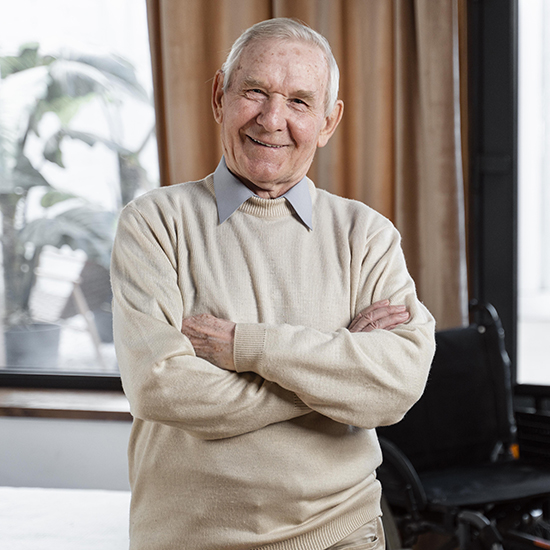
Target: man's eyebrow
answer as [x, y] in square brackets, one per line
[253, 83]
[306, 95]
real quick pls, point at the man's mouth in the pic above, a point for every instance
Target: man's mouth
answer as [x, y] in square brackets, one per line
[265, 144]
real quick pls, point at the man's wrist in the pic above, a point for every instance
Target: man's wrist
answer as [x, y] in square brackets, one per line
[248, 346]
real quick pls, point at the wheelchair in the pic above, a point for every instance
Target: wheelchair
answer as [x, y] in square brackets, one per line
[452, 467]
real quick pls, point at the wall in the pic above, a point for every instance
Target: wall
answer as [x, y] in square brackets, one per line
[84, 454]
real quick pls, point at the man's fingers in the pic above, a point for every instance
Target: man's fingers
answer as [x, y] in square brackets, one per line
[379, 315]
[374, 315]
[388, 322]
[362, 319]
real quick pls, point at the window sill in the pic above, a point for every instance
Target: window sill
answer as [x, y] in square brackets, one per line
[75, 404]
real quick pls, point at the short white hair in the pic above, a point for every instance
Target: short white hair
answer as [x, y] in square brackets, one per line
[282, 28]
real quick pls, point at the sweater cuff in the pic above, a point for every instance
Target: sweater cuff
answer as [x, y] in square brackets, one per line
[249, 346]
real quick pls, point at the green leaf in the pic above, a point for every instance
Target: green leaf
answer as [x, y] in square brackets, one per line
[119, 69]
[92, 139]
[73, 79]
[52, 149]
[82, 228]
[28, 58]
[26, 175]
[54, 197]
[65, 107]
[77, 75]
[87, 137]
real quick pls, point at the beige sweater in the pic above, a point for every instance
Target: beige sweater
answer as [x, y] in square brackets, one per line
[281, 455]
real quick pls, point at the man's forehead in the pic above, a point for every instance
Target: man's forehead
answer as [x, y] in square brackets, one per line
[256, 63]
[264, 49]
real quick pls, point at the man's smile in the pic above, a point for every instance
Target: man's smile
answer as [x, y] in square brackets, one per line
[266, 144]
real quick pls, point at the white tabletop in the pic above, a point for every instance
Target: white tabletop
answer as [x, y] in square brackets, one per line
[63, 519]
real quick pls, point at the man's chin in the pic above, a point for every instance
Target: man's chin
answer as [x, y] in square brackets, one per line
[261, 176]
[266, 186]
[264, 177]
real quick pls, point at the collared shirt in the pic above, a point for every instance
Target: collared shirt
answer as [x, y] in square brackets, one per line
[231, 193]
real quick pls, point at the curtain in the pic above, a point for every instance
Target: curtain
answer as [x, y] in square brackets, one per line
[399, 146]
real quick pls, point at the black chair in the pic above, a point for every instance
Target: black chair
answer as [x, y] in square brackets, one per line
[451, 466]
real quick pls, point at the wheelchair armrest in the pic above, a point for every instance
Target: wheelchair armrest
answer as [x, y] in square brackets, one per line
[400, 482]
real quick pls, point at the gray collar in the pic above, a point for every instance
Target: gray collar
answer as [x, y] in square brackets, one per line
[231, 193]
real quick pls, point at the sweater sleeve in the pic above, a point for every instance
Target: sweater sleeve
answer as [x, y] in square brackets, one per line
[362, 379]
[162, 378]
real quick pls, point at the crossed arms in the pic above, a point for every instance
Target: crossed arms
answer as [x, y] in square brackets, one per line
[192, 373]
[213, 338]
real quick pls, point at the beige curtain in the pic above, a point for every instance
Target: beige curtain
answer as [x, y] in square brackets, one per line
[398, 148]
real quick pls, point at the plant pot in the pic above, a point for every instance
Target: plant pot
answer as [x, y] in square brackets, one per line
[33, 346]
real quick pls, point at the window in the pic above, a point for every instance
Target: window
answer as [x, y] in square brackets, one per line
[77, 143]
[534, 192]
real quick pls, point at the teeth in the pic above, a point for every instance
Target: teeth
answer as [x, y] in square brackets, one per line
[266, 144]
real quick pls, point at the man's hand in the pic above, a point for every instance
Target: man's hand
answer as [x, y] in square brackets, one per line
[380, 315]
[212, 339]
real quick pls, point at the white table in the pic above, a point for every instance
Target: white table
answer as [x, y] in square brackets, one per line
[63, 519]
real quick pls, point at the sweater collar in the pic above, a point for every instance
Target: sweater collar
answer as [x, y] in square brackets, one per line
[231, 193]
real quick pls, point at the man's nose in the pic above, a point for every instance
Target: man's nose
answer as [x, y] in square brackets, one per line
[272, 114]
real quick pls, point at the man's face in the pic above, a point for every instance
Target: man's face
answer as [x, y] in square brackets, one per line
[273, 114]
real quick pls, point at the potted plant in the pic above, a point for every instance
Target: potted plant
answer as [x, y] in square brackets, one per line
[32, 85]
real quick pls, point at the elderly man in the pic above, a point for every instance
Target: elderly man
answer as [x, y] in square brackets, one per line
[264, 328]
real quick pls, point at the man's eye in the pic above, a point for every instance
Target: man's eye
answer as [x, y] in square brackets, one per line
[254, 94]
[299, 101]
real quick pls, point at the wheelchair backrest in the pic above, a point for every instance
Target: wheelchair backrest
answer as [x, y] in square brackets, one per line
[466, 411]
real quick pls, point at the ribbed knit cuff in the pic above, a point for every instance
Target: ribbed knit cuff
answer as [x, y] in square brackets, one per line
[249, 346]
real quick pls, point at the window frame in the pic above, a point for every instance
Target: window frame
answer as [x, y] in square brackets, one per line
[493, 123]
[493, 158]
[64, 380]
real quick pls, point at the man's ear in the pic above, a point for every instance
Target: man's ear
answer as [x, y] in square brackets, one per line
[217, 95]
[331, 123]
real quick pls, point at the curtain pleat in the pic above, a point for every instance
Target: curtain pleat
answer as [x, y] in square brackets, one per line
[398, 148]
[429, 208]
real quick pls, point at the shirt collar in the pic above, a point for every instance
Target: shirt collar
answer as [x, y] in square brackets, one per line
[231, 193]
